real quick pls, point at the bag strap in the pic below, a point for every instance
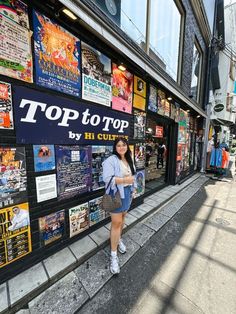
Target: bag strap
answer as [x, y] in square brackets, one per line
[109, 183]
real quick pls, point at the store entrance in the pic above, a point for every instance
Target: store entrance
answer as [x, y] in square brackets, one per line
[156, 167]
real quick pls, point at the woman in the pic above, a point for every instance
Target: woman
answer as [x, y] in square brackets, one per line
[120, 168]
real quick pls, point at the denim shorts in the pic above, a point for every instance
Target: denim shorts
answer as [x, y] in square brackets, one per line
[126, 202]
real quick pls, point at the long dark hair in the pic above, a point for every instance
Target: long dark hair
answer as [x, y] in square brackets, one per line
[127, 154]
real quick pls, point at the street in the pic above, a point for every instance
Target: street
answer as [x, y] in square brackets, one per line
[188, 266]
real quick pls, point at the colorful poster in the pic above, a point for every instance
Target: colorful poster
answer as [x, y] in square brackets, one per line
[46, 187]
[177, 112]
[50, 119]
[52, 227]
[139, 155]
[159, 131]
[13, 180]
[44, 157]
[15, 236]
[167, 108]
[16, 11]
[161, 98]
[140, 180]
[96, 213]
[96, 76]
[122, 89]
[74, 170]
[99, 154]
[6, 115]
[139, 101]
[139, 124]
[152, 100]
[15, 50]
[173, 111]
[79, 219]
[57, 56]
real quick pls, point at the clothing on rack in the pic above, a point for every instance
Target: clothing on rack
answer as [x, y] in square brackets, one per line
[216, 157]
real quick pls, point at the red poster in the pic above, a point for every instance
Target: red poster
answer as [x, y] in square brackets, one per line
[159, 131]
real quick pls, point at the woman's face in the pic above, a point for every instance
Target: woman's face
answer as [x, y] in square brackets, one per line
[121, 148]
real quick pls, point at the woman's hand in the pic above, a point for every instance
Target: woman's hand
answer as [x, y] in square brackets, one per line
[129, 180]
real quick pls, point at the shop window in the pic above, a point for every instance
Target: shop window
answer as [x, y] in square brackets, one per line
[196, 72]
[165, 35]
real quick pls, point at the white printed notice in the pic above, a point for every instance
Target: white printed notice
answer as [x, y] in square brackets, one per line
[46, 187]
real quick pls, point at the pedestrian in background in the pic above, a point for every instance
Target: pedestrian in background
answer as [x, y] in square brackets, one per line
[119, 168]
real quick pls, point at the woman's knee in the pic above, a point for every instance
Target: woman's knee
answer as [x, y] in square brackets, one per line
[116, 223]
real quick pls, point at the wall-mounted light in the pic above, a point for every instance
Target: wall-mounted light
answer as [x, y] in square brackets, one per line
[198, 116]
[169, 98]
[122, 67]
[188, 110]
[69, 14]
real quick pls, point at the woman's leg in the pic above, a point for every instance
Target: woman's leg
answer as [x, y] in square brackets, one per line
[116, 225]
[123, 222]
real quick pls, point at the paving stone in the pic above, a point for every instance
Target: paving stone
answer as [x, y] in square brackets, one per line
[140, 233]
[83, 247]
[3, 297]
[137, 212]
[26, 282]
[94, 273]
[65, 296]
[151, 202]
[156, 221]
[58, 262]
[100, 236]
[25, 311]
[146, 207]
[169, 210]
[129, 219]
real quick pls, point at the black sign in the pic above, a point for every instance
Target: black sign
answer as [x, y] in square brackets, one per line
[219, 107]
[41, 118]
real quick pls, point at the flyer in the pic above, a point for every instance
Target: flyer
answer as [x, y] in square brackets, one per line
[57, 56]
[139, 124]
[6, 114]
[74, 170]
[161, 99]
[46, 187]
[122, 89]
[15, 236]
[13, 179]
[152, 100]
[139, 155]
[16, 11]
[79, 219]
[96, 75]
[139, 101]
[44, 157]
[96, 213]
[140, 179]
[52, 227]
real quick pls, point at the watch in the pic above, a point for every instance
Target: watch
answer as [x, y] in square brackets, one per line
[111, 6]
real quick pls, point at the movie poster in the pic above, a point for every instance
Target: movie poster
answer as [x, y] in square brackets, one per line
[6, 115]
[13, 180]
[139, 124]
[16, 11]
[96, 76]
[167, 108]
[140, 180]
[15, 50]
[139, 155]
[44, 158]
[177, 112]
[99, 154]
[79, 219]
[46, 187]
[74, 170]
[161, 99]
[173, 111]
[139, 101]
[96, 213]
[57, 56]
[152, 101]
[15, 236]
[122, 89]
[52, 227]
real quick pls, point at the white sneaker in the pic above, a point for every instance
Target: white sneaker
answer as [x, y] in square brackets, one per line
[121, 247]
[114, 265]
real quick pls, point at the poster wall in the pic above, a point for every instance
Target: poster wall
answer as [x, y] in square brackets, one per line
[46, 187]
[74, 170]
[161, 99]
[96, 213]
[140, 179]
[122, 89]
[57, 56]
[139, 157]
[6, 114]
[139, 124]
[139, 101]
[15, 236]
[44, 157]
[79, 219]
[52, 227]
[15, 50]
[96, 76]
[13, 180]
[99, 154]
[152, 100]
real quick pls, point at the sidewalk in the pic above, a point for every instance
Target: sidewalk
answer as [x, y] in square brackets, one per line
[76, 273]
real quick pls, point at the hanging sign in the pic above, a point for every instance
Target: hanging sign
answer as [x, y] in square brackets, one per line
[41, 118]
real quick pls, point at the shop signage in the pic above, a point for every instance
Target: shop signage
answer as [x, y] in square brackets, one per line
[159, 131]
[219, 107]
[48, 119]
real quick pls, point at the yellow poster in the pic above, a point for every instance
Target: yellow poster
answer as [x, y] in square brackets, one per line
[15, 236]
[139, 93]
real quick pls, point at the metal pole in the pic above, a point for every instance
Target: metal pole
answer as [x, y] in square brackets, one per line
[148, 12]
[206, 134]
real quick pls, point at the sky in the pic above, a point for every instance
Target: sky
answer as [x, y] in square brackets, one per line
[227, 2]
